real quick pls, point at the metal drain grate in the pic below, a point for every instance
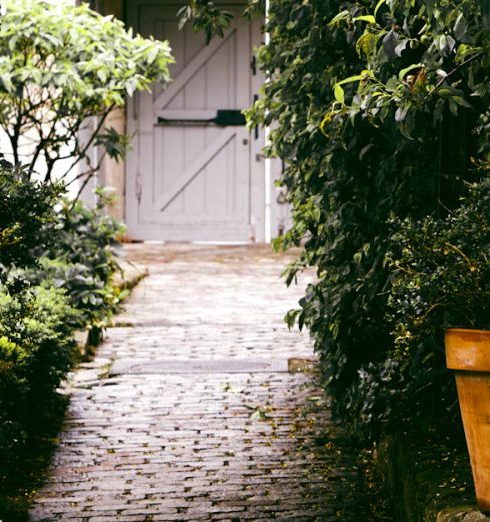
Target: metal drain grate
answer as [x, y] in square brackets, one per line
[131, 367]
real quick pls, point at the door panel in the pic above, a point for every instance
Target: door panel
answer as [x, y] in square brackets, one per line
[188, 180]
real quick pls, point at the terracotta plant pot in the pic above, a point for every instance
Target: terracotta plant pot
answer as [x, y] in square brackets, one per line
[468, 352]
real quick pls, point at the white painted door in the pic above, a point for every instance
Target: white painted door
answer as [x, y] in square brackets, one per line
[189, 179]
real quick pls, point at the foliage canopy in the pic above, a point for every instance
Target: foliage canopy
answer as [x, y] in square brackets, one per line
[59, 66]
[380, 111]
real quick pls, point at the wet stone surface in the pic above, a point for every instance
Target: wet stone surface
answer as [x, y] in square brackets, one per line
[207, 445]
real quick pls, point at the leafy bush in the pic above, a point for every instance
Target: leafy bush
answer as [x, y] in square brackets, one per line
[89, 237]
[93, 299]
[28, 220]
[380, 112]
[83, 261]
[61, 64]
[36, 351]
[441, 280]
[71, 246]
[57, 262]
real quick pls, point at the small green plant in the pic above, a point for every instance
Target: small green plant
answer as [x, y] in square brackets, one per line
[89, 236]
[206, 17]
[87, 293]
[28, 220]
[213, 20]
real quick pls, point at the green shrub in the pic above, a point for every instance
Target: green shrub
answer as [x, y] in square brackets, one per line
[87, 293]
[89, 237]
[28, 221]
[68, 245]
[378, 109]
[441, 280]
[83, 260]
[59, 65]
[36, 351]
[55, 277]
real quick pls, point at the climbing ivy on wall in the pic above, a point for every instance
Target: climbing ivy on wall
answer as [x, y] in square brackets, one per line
[380, 111]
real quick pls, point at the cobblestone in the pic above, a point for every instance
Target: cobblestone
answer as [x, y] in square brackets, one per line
[205, 446]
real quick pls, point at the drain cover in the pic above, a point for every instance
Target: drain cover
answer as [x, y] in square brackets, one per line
[125, 367]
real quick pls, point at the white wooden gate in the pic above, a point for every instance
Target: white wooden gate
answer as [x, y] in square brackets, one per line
[189, 178]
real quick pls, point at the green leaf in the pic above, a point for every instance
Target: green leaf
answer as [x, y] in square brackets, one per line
[367, 43]
[355, 78]
[343, 15]
[378, 5]
[339, 93]
[102, 75]
[365, 18]
[406, 70]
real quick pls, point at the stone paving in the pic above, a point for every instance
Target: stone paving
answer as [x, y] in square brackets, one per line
[210, 441]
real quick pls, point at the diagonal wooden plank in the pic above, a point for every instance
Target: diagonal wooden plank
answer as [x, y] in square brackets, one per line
[191, 69]
[195, 168]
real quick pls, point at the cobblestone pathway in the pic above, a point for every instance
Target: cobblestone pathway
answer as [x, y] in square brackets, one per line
[189, 411]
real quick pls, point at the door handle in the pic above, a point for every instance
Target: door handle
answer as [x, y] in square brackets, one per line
[224, 118]
[256, 128]
[253, 65]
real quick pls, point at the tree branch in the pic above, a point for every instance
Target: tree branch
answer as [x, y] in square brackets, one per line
[83, 152]
[440, 83]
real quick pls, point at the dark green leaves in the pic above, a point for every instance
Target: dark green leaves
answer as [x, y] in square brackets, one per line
[380, 113]
[114, 143]
[205, 16]
[373, 120]
[28, 221]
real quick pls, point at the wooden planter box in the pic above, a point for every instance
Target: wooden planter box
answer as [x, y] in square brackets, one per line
[468, 353]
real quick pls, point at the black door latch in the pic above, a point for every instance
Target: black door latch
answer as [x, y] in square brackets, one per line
[230, 117]
[224, 118]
